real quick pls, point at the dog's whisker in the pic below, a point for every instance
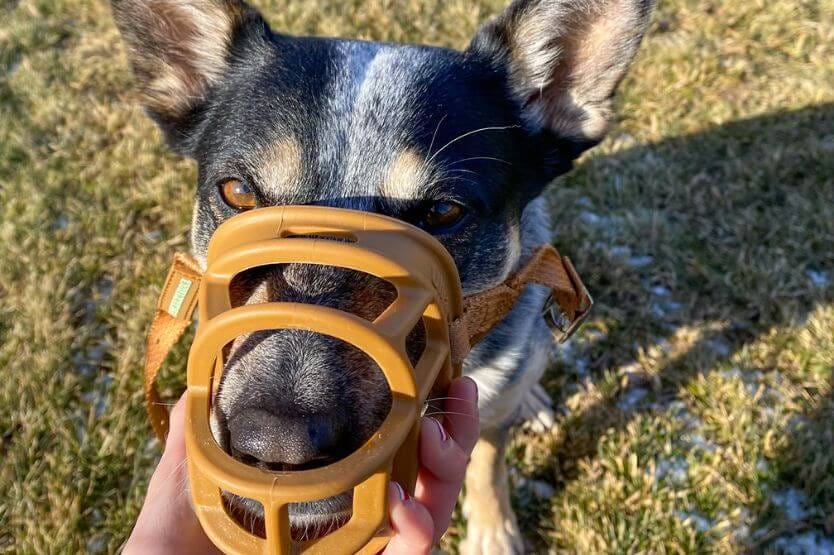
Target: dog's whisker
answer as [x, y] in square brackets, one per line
[444, 412]
[436, 129]
[481, 158]
[459, 170]
[467, 134]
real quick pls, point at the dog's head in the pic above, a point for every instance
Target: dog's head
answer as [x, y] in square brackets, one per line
[457, 143]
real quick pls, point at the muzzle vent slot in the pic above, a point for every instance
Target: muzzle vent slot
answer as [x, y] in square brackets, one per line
[245, 513]
[355, 292]
[335, 235]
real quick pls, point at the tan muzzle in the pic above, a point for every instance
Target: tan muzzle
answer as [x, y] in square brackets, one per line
[428, 290]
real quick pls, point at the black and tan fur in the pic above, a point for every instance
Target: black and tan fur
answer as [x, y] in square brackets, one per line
[391, 129]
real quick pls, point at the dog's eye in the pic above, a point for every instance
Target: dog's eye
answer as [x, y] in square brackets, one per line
[442, 214]
[238, 195]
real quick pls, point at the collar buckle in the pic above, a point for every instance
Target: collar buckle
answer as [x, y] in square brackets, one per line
[557, 319]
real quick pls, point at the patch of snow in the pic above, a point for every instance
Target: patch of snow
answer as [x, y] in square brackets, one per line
[697, 519]
[818, 278]
[676, 407]
[97, 544]
[659, 291]
[88, 360]
[673, 306]
[741, 533]
[153, 235]
[632, 369]
[580, 367]
[99, 397]
[793, 501]
[541, 489]
[640, 261]
[698, 441]
[152, 445]
[719, 347]
[796, 423]
[807, 543]
[568, 355]
[13, 66]
[538, 488]
[663, 346]
[98, 400]
[768, 414]
[104, 289]
[619, 251]
[632, 398]
[593, 336]
[679, 411]
[589, 218]
[661, 309]
[674, 469]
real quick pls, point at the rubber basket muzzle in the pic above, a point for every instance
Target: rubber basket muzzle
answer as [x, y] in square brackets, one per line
[428, 289]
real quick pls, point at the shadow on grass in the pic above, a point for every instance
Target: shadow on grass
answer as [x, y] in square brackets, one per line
[727, 230]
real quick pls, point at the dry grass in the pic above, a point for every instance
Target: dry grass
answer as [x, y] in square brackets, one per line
[694, 410]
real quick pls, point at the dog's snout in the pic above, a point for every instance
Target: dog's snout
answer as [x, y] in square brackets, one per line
[278, 442]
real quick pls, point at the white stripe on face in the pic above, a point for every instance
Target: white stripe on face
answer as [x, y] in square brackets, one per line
[370, 105]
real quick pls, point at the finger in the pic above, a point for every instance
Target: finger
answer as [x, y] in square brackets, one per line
[460, 413]
[169, 483]
[412, 524]
[167, 519]
[442, 468]
[175, 442]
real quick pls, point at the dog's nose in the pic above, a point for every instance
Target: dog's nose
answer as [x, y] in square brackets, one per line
[264, 439]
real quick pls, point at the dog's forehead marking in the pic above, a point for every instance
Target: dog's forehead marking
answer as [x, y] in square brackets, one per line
[370, 106]
[278, 166]
[361, 140]
[408, 174]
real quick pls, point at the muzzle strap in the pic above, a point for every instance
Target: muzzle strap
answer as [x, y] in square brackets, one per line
[173, 316]
[483, 311]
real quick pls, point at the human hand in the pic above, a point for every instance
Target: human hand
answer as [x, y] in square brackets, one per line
[167, 523]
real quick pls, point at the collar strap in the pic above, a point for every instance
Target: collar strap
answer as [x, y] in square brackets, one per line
[567, 306]
[174, 308]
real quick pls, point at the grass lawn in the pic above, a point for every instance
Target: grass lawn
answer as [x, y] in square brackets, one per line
[694, 410]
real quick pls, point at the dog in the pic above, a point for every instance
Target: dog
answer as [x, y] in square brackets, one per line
[459, 143]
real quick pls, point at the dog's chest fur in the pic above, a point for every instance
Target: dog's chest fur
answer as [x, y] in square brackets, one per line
[512, 358]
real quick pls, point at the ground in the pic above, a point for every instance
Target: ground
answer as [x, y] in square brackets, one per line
[693, 411]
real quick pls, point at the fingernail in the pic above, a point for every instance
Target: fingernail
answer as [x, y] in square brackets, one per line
[400, 492]
[444, 437]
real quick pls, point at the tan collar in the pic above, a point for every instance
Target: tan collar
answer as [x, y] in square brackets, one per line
[567, 305]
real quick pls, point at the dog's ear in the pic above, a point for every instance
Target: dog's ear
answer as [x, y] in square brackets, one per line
[179, 51]
[564, 60]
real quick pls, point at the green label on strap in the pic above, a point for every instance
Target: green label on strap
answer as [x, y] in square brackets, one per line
[179, 297]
